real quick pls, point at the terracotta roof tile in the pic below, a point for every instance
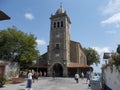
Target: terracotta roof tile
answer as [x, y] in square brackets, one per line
[77, 65]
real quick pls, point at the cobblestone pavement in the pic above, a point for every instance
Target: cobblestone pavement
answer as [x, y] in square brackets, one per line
[48, 83]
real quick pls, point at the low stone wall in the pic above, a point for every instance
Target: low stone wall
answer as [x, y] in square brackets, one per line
[111, 78]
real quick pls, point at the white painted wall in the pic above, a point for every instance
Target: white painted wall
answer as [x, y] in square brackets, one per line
[112, 79]
[11, 70]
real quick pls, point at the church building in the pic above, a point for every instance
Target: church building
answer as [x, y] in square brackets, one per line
[64, 56]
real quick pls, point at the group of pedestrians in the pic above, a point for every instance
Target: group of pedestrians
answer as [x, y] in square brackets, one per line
[88, 78]
[31, 77]
[85, 76]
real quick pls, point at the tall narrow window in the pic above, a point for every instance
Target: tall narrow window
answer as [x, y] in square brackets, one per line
[57, 46]
[61, 23]
[58, 25]
[54, 25]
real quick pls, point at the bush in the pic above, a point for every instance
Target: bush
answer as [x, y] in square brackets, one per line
[2, 81]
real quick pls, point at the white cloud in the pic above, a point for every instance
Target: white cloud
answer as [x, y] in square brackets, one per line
[113, 6]
[101, 50]
[112, 9]
[40, 42]
[113, 19]
[29, 16]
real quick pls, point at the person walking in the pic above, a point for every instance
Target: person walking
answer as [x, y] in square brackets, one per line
[35, 77]
[53, 74]
[45, 74]
[29, 81]
[82, 75]
[87, 77]
[77, 77]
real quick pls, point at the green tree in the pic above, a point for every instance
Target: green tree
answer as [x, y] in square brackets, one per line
[18, 46]
[115, 57]
[92, 56]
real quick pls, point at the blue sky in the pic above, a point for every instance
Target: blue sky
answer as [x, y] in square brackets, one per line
[95, 23]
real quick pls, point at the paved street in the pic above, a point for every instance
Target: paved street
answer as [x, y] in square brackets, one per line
[48, 83]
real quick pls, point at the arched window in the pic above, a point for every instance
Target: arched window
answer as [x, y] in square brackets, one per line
[57, 35]
[54, 24]
[58, 24]
[61, 23]
[57, 46]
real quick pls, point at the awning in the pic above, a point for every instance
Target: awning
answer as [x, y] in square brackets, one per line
[77, 65]
[39, 66]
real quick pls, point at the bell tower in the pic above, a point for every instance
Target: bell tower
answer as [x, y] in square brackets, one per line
[59, 45]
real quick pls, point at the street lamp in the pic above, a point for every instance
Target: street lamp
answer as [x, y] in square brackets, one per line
[106, 56]
[64, 62]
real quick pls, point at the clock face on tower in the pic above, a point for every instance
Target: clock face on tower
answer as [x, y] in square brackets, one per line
[57, 35]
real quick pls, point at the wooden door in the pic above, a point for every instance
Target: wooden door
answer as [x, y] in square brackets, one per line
[2, 68]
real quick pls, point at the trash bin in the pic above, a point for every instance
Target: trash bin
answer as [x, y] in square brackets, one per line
[96, 83]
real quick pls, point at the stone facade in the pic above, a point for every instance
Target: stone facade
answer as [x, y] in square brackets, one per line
[59, 47]
[76, 53]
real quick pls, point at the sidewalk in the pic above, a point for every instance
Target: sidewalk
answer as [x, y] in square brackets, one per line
[48, 83]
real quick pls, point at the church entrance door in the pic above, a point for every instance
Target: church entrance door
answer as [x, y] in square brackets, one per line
[57, 68]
